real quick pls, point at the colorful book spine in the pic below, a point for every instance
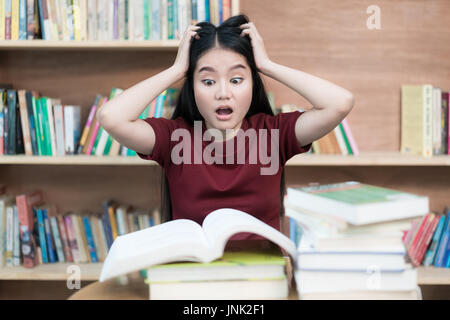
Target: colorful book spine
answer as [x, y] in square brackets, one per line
[439, 260]
[42, 235]
[349, 135]
[90, 239]
[431, 253]
[57, 239]
[48, 234]
[72, 239]
[64, 238]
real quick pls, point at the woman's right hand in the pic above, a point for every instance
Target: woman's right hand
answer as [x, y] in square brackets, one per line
[182, 60]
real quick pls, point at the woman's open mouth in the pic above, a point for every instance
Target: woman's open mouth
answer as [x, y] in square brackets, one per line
[224, 113]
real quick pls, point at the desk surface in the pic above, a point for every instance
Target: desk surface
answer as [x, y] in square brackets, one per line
[135, 289]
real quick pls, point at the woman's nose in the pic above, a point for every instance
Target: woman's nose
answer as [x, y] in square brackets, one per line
[223, 91]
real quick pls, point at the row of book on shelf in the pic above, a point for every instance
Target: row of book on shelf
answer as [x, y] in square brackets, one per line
[108, 19]
[425, 120]
[33, 233]
[34, 125]
[347, 240]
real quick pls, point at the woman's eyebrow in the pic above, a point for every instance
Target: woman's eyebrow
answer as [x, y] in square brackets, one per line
[211, 69]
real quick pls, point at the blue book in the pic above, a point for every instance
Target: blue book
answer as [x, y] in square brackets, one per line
[90, 239]
[41, 17]
[431, 252]
[439, 260]
[41, 229]
[194, 11]
[156, 32]
[107, 224]
[152, 223]
[160, 104]
[220, 12]
[34, 147]
[48, 232]
[23, 20]
[207, 16]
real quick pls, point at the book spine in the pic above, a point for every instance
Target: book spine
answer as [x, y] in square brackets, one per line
[439, 260]
[59, 130]
[64, 239]
[350, 137]
[57, 239]
[84, 238]
[9, 236]
[2, 21]
[31, 122]
[26, 219]
[15, 20]
[87, 127]
[112, 220]
[25, 125]
[49, 237]
[46, 126]
[90, 239]
[23, 20]
[426, 242]
[103, 240]
[93, 221]
[79, 236]
[16, 242]
[42, 236]
[72, 239]
[51, 126]
[12, 97]
[31, 9]
[427, 118]
[431, 253]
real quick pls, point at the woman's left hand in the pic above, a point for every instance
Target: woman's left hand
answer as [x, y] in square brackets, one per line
[261, 58]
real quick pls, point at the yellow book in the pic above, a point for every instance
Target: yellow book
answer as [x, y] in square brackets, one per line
[112, 220]
[79, 238]
[2, 19]
[76, 20]
[416, 133]
[15, 20]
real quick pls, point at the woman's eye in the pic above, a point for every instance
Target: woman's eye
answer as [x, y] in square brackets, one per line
[207, 82]
[236, 80]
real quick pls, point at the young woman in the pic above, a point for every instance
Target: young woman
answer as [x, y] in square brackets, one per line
[223, 100]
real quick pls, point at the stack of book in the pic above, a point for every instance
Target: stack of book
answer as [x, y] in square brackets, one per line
[187, 261]
[241, 273]
[349, 239]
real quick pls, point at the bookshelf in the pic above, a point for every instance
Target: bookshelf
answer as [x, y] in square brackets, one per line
[375, 68]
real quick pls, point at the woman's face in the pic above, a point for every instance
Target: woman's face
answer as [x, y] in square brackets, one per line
[222, 78]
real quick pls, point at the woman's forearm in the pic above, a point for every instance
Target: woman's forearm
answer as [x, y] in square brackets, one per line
[130, 104]
[321, 93]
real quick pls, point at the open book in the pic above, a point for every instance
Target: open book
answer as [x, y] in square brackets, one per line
[186, 240]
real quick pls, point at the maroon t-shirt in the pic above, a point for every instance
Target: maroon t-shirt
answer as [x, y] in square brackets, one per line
[198, 188]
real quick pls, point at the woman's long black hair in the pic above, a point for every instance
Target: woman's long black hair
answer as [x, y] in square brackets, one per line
[227, 35]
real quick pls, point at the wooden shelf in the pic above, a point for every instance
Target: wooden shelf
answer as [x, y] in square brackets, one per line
[52, 271]
[171, 45]
[366, 159]
[91, 272]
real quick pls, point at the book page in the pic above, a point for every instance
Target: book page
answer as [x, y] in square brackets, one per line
[223, 223]
[177, 240]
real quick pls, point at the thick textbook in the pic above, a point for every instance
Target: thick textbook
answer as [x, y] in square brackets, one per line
[186, 240]
[359, 203]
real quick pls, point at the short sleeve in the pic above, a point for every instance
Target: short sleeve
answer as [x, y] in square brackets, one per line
[161, 150]
[289, 145]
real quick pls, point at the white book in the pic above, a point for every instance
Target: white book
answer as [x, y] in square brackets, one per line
[164, 17]
[139, 20]
[69, 20]
[92, 20]
[359, 203]
[9, 235]
[186, 240]
[78, 230]
[201, 15]
[220, 290]
[16, 240]
[5, 201]
[319, 260]
[102, 143]
[373, 279]
[59, 129]
[51, 124]
[437, 127]
[121, 15]
[72, 127]
[182, 17]
[120, 216]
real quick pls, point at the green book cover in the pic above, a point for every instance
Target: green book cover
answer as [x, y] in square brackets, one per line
[170, 9]
[48, 146]
[97, 139]
[272, 256]
[355, 193]
[37, 124]
[41, 126]
[347, 144]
